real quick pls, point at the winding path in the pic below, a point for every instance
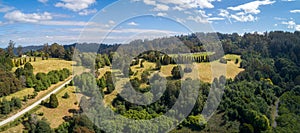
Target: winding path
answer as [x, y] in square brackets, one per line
[17, 115]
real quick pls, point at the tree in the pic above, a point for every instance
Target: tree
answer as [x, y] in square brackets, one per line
[142, 63]
[66, 95]
[16, 102]
[43, 127]
[158, 65]
[176, 72]
[19, 51]
[5, 107]
[10, 48]
[53, 103]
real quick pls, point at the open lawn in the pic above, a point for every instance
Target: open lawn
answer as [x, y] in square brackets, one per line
[55, 116]
[51, 64]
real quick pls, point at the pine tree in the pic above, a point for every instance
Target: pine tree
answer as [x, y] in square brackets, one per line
[53, 103]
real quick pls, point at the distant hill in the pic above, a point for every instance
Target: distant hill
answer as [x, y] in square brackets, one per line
[84, 47]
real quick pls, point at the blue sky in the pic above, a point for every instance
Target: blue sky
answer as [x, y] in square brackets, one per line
[35, 22]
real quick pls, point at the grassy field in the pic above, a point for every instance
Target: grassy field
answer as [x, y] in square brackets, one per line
[203, 71]
[55, 116]
[39, 96]
[208, 71]
[51, 64]
[193, 54]
[138, 70]
[102, 71]
[19, 94]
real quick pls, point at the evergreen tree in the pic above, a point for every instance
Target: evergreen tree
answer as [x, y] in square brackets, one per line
[53, 103]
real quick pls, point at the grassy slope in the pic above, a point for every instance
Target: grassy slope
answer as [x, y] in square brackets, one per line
[55, 116]
[51, 64]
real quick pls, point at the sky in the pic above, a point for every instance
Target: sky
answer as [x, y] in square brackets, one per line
[36, 22]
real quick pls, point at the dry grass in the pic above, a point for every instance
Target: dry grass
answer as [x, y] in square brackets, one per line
[118, 88]
[138, 70]
[208, 71]
[16, 129]
[48, 65]
[102, 71]
[39, 96]
[55, 116]
[19, 94]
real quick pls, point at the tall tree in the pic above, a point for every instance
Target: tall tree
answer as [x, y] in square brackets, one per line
[53, 103]
[176, 72]
[10, 48]
[19, 50]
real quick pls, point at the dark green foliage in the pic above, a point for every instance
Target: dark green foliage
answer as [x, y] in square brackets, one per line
[43, 127]
[8, 83]
[197, 122]
[188, 70]
[236, 61]
[53, 103]
[5, 107]
[66, 95]
[144, 76]
[176, 72]
[141, 64]
[246, 128]
[224, 61]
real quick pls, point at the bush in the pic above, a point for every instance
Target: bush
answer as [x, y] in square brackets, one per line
[187, 70]
[66, 95]
[224, 61]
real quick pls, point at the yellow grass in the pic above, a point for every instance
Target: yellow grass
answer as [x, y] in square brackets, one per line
[19, 94]
[17, 129]
[208, 71]
[48, 65]
[39, 96]
[138, 70]
[102, 71]
[55, 116]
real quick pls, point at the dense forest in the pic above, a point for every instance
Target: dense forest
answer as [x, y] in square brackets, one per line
[272, 74]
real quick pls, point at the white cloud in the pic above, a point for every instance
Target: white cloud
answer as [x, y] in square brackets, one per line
[75, 5]
[180, 5]
[288, 0]
[244, 18]
[4, 8]
[290, 24]
[86, 12]
[161, 14]
[215, 19]
[150, 2]
[295, 11]
[198, 19]
[132, 24]
[297, 27]
[187, 4]
[39, 18]
[251, 7]
[64, 23]
[43, 1]
[18, 16]
[223, 13]
[161, 7]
